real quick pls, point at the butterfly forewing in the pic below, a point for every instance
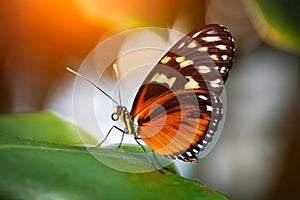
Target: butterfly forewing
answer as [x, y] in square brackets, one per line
[203, 56]
[178, 106]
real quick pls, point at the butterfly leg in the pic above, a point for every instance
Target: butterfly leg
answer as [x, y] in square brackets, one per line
[156, 159]
[108, 135]
[148, 158]
[121, 139]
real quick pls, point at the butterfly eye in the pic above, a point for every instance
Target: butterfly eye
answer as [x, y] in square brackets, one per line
[114, 117]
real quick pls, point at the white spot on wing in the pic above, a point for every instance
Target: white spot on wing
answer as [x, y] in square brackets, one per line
[181, 156]
[203, 97]
[211, 32]
[196, 34]
[224, 57]
[203, 69]
[165, 60]
[215, 83]
[209, 108]
[223, 69]
[195, 150]
[203, 49]
[214, 57]
[193, 44]
[211, 38]
[189, 153]
[221, 47]
[181, 45]
[192, 84]
[186, 63]
[161, 78]
[180, 59]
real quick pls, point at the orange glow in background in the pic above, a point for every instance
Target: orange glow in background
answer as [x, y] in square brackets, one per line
[40, 38]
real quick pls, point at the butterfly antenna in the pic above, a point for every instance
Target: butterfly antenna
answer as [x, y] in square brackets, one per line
[85, 78]
[117, 77]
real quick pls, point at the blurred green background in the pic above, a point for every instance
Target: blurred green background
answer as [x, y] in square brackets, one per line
[257, 155]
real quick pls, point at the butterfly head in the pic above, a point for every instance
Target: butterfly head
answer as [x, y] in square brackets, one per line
[119, 112]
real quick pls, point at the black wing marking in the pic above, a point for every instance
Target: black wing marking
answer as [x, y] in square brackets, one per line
[201, 59]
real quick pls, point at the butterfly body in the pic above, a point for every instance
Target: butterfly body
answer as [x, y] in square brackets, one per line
[131, 127]
[178, 108]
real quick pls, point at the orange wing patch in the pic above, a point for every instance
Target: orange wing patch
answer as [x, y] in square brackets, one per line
[177, 134]
[171, 130]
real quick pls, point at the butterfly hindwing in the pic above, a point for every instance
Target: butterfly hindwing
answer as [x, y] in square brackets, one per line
[178, 107]
[177, 125]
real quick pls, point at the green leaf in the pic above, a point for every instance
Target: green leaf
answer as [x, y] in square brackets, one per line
[35, 170]
[32, 169]
[45, 127]
[281, 23]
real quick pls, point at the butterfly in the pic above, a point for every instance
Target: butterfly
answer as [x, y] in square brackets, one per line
[178, 108]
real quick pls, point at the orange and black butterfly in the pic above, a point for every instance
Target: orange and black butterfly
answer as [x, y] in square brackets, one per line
[178, 108]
